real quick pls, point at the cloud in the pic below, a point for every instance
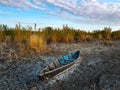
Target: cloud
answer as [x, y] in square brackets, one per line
[22, 4]
[90, 11]
[87, 11]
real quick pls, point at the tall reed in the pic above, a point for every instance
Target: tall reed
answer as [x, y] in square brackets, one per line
[49, 35]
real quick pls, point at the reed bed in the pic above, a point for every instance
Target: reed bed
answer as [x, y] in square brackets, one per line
[42, 37]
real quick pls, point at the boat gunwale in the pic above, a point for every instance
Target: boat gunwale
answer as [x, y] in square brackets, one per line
[62, 66]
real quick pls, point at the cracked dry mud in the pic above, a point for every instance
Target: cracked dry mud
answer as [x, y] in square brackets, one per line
[99, 69]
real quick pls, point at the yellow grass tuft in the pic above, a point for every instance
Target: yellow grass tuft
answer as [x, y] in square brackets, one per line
[37, 42]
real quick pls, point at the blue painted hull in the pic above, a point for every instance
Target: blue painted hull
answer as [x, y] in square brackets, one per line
[67, 59]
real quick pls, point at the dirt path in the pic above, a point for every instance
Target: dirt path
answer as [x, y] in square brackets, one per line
[99, 69]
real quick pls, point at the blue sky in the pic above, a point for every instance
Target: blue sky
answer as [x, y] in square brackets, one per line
[79, 14]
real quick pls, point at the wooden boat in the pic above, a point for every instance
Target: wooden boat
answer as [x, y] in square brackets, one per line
[59, 65]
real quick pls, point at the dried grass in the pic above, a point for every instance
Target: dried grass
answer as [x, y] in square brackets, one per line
[37, 42]
[108, 43]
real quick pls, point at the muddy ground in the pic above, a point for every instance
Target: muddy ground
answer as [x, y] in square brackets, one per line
[98, 69]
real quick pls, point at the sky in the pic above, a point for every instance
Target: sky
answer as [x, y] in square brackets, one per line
[86, 15]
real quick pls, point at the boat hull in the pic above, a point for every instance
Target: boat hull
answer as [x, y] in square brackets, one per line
[57, 67]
